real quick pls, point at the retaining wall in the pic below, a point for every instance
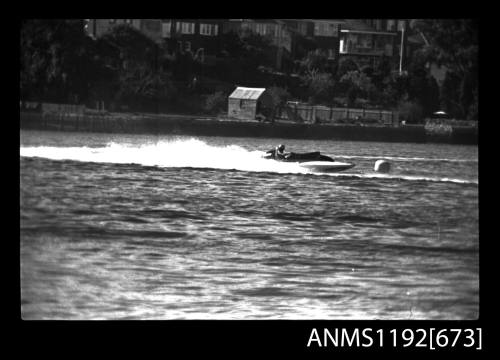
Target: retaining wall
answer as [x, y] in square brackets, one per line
[185, 125]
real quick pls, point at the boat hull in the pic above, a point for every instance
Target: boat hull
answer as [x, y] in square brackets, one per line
[326, 166]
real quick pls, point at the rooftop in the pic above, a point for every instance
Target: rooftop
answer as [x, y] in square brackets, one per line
[247, 93]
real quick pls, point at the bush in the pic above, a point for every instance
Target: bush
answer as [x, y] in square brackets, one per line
[319, 87]
[216, 102]
[279, 95]
[345, 66]
[411, 112]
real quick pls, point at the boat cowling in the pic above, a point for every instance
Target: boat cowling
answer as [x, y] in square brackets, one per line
[310, 156]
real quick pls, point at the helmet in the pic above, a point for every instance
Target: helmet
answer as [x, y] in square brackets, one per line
[281, 147]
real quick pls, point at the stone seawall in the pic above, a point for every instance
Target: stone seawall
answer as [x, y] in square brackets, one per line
[197, 126]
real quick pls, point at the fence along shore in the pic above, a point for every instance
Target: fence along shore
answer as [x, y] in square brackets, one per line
[294, 121]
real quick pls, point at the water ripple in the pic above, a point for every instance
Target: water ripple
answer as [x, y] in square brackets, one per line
[123, 230]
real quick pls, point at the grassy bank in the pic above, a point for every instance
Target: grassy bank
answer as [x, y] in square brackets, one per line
[212, 126]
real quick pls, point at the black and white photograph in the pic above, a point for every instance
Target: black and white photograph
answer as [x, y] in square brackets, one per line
[249, 169]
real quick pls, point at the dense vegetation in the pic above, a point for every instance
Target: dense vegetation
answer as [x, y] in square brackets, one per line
[128, 71]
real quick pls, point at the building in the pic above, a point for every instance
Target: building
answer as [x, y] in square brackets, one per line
[246, 103]
[273, 29]
[152, 28]
[367, 41]
[326, 34]
[199, 36]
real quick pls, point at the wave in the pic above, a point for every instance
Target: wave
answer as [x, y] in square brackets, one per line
[399, 158]
[194, 153]
[402, 177]
[191, 153]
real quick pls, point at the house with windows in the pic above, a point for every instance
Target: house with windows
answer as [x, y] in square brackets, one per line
[323, 34]
[326, 34]
[199, 36]
[152, 28]
[367, 41]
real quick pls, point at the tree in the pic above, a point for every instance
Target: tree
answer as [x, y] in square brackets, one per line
[129, 46]
[411, 112]
[56, 60]
[357, 84]
[183, 66]
[454, 44]
[244, 54]
[303, 46]
[316, 60]
[395, 90]
[216, 102]
[381, 71]
[278, 96]
[319, 86]
[136, 62]
[422, 87]
[345, 66]
[248, 46]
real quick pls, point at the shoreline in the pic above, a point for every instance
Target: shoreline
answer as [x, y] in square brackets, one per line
[215, 126]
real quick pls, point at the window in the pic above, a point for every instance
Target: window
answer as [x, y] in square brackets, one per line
[184, 28]
[208, 29]
[204, 29]
[187, 28]
[342, 47]
[260, 29]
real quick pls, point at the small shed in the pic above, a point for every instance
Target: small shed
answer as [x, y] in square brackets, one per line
[246, 103]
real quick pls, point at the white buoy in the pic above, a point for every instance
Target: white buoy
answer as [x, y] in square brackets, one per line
[382, 166]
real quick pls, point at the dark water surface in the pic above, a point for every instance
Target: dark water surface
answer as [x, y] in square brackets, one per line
[157, 227]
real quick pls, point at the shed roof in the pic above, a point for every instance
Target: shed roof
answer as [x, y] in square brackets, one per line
[247, 93]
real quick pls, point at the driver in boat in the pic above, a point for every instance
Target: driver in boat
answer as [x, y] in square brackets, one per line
[278, 152]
